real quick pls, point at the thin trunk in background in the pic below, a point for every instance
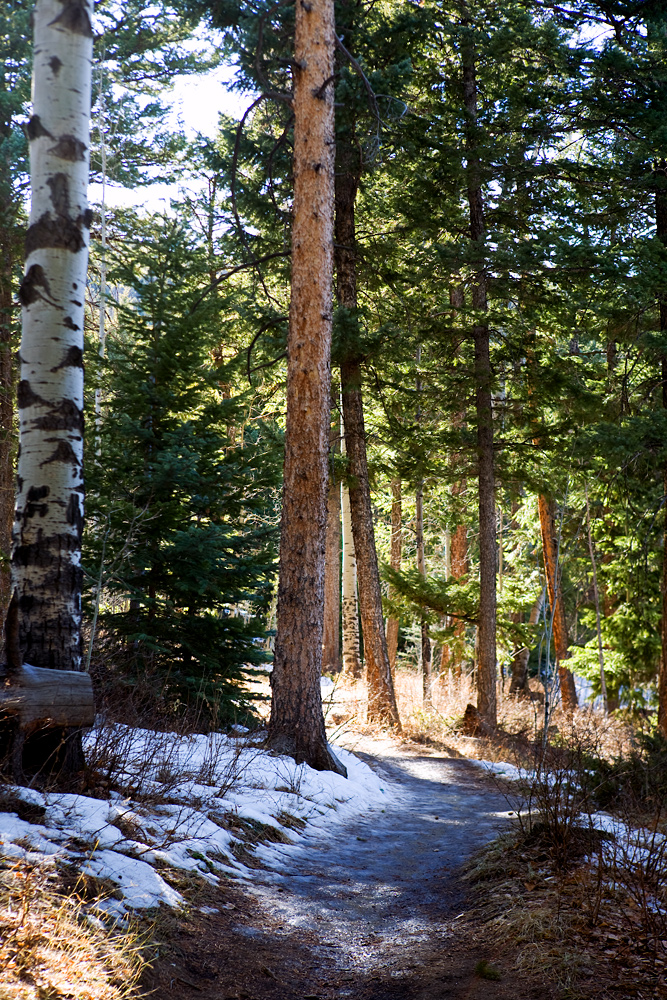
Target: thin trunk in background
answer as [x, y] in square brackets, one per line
[596, 595]
[445, 655]
[427, 673]
[661, 232]
[550, 550]
[486, 640]
[519, 664]
[350, 608]
[381, 698]
[331, 636]
[296, 726]
[393, 624]
[459, 566]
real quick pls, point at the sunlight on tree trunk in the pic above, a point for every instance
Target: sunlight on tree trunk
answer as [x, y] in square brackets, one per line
[46, 559]
[395, 561]
[296, 726]
[331, 637]
[350, 608]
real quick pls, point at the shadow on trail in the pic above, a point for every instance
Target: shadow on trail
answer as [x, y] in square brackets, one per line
[366, 910]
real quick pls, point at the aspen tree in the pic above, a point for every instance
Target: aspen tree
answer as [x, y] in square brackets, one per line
[46, 557]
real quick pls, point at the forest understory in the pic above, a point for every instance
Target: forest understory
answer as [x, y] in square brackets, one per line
[443, 895]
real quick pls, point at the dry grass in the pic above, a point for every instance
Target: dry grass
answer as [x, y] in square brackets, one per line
[51, 947]
[439, 727]
[581, 933]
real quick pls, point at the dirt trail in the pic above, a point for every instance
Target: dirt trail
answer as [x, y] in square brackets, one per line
[371, 910]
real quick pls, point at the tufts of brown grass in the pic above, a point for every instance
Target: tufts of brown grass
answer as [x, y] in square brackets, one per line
[578, 932]
[520, 720]
[50, 946]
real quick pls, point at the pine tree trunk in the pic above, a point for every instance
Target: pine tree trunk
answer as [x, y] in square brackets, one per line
[458, 547]
[331, 637]
[486, 661]
[395, 562]
[381, 698]
[568, 691]
[350, 608]
[661, 233]
[427, 673]
[296, 726]
[46, 558]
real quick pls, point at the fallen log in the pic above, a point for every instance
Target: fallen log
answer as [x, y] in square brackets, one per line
[53, 697]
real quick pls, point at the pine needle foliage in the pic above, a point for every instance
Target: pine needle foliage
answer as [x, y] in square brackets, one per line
[181, 520]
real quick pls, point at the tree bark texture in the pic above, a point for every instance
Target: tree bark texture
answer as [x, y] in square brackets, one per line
[349, 605]
[459, 566]
[381, 698]
[331, 637]
[486, 661]
[661, 232]
[427, 672]
[46, 557]
[568, 691]
[395, 562]
[296, 726]
[8, 240]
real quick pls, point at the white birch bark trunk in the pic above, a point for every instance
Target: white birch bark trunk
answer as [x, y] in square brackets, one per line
[46, 557]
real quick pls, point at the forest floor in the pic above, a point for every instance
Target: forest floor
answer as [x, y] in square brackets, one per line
[377, 908]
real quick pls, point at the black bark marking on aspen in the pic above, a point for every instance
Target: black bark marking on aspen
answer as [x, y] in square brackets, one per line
[75, 17]
[63, 453]
[66, 416]
[26, 396]
[32, 282]
[70, 324]
[48, 553]
[35, 130]
[31, 509]
[68, 147]
[60, 233]
[19, 483]
[55, 63]
[38, 493]
[74, 514]
[73, 359]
